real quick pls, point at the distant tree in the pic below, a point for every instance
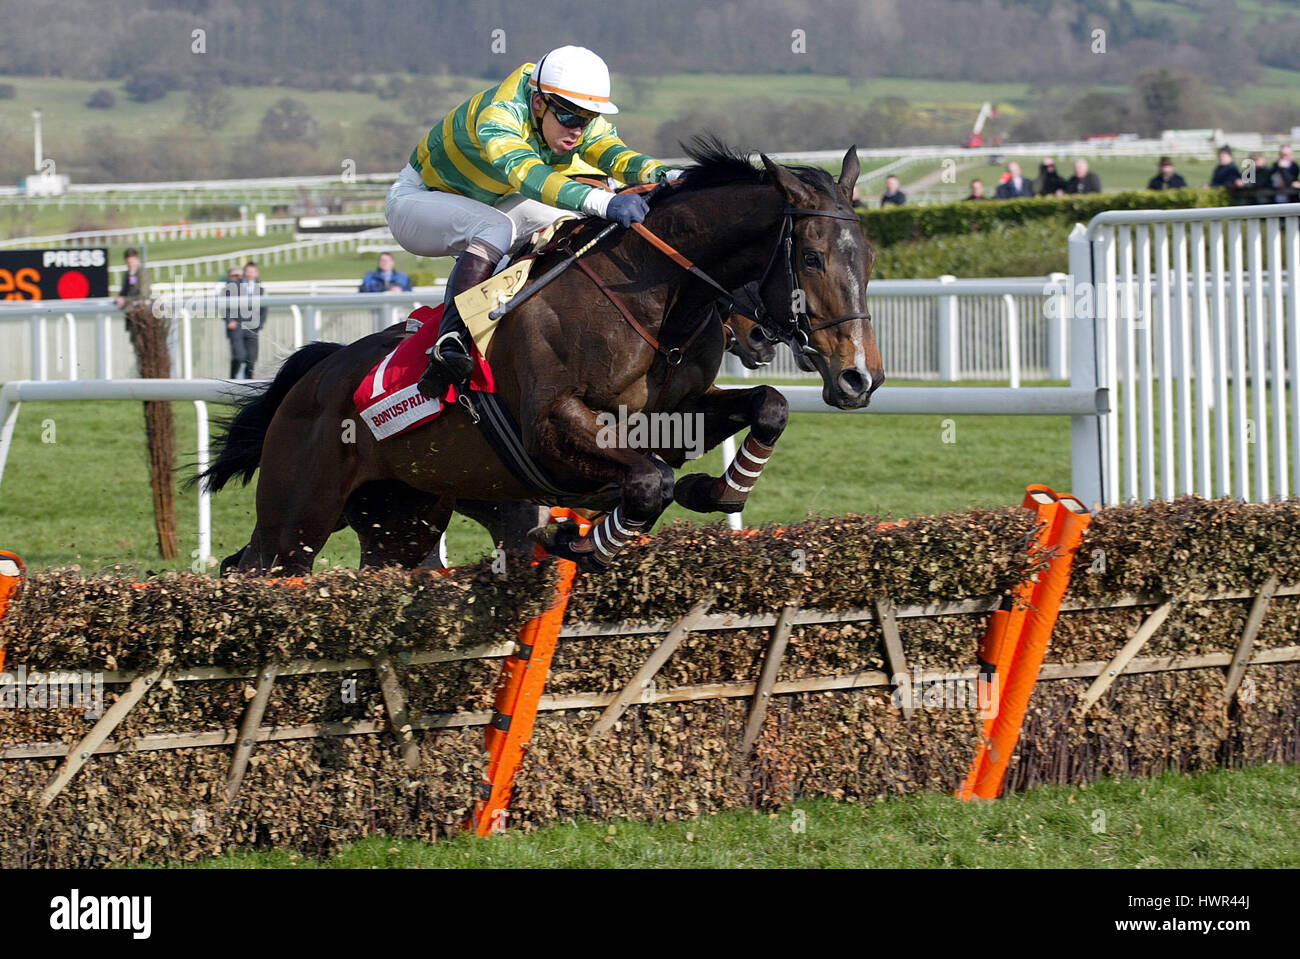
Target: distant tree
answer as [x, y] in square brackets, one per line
[288, 122]
[7, 91]
[151, 84]
[1096, 113]
[209, 106]
[102, 99]
[1171, 100]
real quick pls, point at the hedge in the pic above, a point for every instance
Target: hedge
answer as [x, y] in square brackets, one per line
[897, 224]
[664, 760]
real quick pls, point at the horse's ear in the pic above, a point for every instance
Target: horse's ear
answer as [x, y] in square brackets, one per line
[796, 191]
[849, 171]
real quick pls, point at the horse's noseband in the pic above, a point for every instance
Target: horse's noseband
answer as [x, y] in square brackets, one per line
[797, 329]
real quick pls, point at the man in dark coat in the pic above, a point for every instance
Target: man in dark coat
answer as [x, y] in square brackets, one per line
[1083, 180]
[892, 192]
[243, 332]
[135, 284]
[1166, 178]
[1048, 182]
[1016, 185]
[1226, 173]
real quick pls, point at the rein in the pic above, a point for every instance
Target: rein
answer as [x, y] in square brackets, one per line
[796, 330]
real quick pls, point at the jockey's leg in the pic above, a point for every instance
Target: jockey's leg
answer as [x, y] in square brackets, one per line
[765, 411]
[449, 361]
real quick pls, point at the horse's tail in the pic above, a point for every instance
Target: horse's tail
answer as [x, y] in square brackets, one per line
[239, 445]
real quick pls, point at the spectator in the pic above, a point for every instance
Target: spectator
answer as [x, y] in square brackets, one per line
[1083, 181]
[1285, 175]
[977, 190]
[230, 311]
[1015, 185]
[383, 278]
[1226, 173]
[243, 335]
[135, 285]
[892, 193]
[1049, 182]
[1166, 178]
[858, 206]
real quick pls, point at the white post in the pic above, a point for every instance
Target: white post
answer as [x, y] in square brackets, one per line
[103, 347]
[1087, 466]
[187, 345]
[259, 224]
[949, 335]
[728, 454]
[1057, 339]
[1013, 339]
[38, 347]
[72, 345]
[8, 420]
[315, 324]
[205, 501]
[297, 325]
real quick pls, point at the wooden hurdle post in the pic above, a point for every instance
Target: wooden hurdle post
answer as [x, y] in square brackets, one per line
[523, 677]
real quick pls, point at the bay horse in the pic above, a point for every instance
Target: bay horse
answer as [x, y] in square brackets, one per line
[628, 331]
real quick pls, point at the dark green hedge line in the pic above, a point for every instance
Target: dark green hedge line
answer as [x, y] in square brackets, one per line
[897, 224]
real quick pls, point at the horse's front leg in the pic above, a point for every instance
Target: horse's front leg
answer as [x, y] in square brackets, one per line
[765, 411]
[569, 437]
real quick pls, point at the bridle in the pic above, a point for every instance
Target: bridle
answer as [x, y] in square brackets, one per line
[795, 330]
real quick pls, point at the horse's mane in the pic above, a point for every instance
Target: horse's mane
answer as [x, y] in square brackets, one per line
[714, 163]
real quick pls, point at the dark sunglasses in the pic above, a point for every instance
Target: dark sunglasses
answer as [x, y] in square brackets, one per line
[567, 117]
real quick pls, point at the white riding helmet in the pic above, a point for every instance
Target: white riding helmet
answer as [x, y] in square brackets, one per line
[577, 75]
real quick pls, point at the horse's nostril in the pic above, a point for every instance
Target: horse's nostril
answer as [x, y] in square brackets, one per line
[852, 383]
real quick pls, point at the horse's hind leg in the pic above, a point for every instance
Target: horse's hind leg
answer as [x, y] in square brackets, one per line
[301, 494]
[397, 524]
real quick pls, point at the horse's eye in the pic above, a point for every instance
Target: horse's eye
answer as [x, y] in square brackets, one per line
[812, 259]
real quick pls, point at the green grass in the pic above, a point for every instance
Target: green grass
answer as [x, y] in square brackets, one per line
[85, 497]
[1239, 819]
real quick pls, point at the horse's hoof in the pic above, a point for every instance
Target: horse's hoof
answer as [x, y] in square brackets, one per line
[695, 493]
[556, 538]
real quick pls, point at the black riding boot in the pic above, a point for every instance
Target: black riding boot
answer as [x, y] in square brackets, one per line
[449, 360]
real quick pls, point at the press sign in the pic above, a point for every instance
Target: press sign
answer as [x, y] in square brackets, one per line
[66, 274]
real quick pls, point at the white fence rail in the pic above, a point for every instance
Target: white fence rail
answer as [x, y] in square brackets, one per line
[803, 399]
[150, 234]
[216, 263]
[1000, 330]
[1195, 323]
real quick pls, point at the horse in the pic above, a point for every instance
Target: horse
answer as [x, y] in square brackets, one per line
[398, 525]
[643, 341]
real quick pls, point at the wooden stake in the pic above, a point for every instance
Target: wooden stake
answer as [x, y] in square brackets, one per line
[112, 717]
[398, 716]
[1116, 666]
[1256, 619]
[634, 689]
[767, 677]
[248, 730]
[885, 613]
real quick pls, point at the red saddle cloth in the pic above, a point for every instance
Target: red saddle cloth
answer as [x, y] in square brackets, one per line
[388, 399]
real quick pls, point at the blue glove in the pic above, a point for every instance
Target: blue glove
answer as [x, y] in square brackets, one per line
[626, 208]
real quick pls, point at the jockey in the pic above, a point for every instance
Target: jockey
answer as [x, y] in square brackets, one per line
[496, 170]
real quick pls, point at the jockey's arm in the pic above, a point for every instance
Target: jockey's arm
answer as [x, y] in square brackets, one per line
[602, 147]
[505, 145]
